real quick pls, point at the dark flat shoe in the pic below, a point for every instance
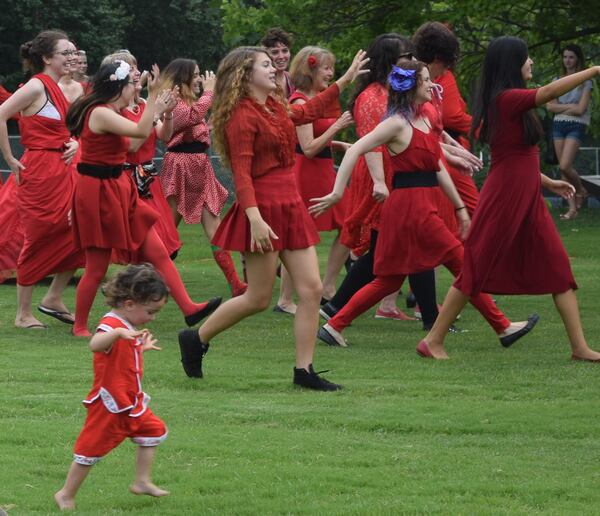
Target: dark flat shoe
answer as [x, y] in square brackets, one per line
[509, 340]
[210, 307]
[280, 310]
[192, 352]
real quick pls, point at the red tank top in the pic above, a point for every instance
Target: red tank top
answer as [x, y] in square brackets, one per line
[422, 154]
[146, 152]
[102, 149]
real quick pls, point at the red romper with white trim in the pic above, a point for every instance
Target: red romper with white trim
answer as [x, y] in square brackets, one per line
[117, 406]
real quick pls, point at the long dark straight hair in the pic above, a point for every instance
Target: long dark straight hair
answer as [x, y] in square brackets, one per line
[384, 52]
[103, 91]
[504, 58]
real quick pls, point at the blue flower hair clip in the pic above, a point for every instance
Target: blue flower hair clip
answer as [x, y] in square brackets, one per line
[401, 79]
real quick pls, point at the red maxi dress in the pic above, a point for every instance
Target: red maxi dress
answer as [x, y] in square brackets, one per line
[44, 194]
[165, 225]
[262, 140]
[513, 246]
[316, 176]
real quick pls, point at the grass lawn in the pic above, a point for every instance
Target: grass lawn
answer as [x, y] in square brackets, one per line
[491, 431]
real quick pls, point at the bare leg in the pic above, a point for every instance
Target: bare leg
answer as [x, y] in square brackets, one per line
[303, 267]
[173, 204]
[453, 304]
[65, 498]
[25, 317]
[337, 257]
[143, 483]
[286, 292]
[568, 151]
[53, 297]
[566, 304]
[260, 269]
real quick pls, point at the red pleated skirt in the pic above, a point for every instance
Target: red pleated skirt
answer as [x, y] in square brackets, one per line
[412, 236]
[108, 214]
[280, 206]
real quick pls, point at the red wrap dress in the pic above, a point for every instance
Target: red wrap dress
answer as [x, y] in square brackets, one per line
[44, 195]
[165, 225]
[316, 176]
[262, 140]
[513, 246]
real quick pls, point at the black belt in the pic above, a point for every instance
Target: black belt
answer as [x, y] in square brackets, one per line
[324, 154]
[414, 180]
[99, 171]
[190, 148]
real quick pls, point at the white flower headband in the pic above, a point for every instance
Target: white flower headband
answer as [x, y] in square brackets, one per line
[121, 72]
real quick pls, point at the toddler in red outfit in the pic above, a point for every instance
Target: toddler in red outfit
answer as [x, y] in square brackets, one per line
[117, 406]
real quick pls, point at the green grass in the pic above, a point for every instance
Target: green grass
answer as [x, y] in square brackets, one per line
[491, 431]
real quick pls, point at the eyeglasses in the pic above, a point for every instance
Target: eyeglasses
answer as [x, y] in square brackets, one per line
[67, 53]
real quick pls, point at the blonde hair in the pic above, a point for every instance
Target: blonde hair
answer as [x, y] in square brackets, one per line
[232, 85]
[301, 71]
[120, 55]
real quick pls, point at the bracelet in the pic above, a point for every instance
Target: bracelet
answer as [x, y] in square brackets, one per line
[461, 208]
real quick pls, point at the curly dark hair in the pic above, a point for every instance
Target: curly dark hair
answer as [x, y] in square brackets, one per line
[43, 45]
[138, 283]
[433, 40]
[276, 35]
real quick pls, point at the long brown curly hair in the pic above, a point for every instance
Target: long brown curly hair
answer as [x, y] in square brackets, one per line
[232, 85]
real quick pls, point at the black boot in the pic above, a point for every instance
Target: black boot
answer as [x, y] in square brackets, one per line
[192, 352]
[311, 380]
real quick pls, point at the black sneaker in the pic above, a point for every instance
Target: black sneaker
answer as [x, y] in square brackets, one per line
[311, 380]
[327, 311]
[192, 352]
[210, 307]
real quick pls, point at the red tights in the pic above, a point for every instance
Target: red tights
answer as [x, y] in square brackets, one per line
[381, 286]
[97, 260]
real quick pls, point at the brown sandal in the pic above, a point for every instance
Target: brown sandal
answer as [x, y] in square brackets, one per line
[581, 198]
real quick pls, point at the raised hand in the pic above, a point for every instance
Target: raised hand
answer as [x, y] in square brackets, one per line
[208, 79]
[355, 70]
[154, 79]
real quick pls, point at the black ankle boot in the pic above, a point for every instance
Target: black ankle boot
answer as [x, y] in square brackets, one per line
[311, 380]
[192, 352]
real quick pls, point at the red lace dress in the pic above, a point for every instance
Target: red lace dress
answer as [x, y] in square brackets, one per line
[262, 140]
[362, 211]
[513, 246]
[316, 176]
[42, 200]
[165, 225]
[107, 213]
[189, 177]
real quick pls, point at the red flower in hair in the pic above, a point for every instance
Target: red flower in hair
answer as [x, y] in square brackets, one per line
[312, 61]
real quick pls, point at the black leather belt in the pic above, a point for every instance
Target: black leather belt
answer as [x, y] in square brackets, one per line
[100, 171]
[414, 180]
[324, 154]
[189, 148]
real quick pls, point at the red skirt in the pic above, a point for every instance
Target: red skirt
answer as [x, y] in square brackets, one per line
[11, 230]
[44, 200]
[412, 236]
[108, 214]
[316, 177]
[280, 206]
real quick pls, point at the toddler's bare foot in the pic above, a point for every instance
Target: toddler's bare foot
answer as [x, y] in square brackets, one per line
[147, 488]
[64, 503]
[586, 354]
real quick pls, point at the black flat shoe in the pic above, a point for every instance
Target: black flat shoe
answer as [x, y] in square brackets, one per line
[278, 309]
[192, 352]
[311, 380]
[211, 306]
[327, 311]
[509, 340]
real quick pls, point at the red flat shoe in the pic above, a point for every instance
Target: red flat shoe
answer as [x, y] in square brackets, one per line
[577, 358]
[423, 350]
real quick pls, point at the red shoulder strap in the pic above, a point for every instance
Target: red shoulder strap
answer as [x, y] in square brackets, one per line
[56, 95]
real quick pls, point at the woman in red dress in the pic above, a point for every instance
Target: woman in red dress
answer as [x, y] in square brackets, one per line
[254, 132]
[107, 214]
[187, 175]
[140, 162]
[312, 70]
[513, 246]
[412, 236]
[44, 178]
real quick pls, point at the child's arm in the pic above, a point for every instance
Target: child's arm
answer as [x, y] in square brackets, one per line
[103, 340]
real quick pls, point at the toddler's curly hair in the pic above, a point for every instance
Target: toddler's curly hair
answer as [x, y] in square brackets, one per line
[138, 283]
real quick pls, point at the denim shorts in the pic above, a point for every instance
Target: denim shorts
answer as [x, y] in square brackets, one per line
[564, 129]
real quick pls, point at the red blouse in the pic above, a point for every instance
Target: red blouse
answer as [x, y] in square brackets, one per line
[102, 149]
[146, 151]
[261, 137]
[189, 124]
[454, 108]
